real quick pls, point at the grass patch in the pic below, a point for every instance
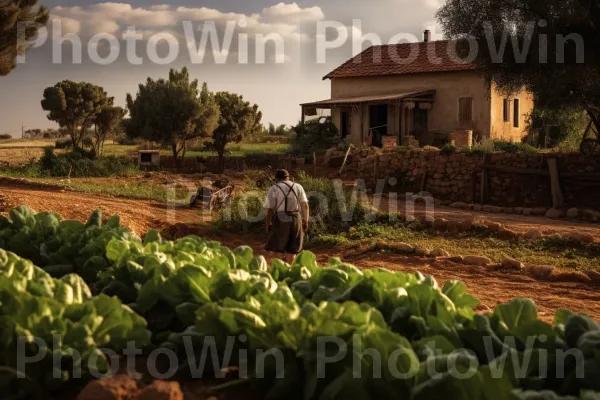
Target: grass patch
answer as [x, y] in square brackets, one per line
[235, 150]
[488, 146]
[549, 251]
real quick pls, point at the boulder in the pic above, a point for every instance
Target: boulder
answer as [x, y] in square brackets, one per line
[581, 237]
[555, 213]
[440, 224]
[573, 213]
[594, 276]
[518, 210]
[422, 252]
[512, 264]
[457, 259]
[507, 234]
[494, 226]
[440, 253]
[527, 212]
[540, 212]
[402, 248]
[534, 234]
[540, 271]
[161, 390]
[573, 276]
[477, 260]
[119, 387]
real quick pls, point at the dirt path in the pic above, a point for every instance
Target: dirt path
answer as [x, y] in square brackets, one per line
[517, 223]
[489, 286]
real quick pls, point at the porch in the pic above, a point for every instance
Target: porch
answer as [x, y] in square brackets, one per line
[399, 115]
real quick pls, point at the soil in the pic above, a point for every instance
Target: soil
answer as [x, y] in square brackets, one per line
[491, 287]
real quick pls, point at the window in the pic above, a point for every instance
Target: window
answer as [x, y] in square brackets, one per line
[516, 113]
[506, 110]
[465, 109]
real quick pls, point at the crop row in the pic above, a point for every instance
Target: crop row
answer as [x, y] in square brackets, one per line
[101, 287]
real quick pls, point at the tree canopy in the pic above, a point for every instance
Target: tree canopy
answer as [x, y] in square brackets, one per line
[107, 122]
[238, 119]
[19, 24]
[550, 46]
[74, 106]
[172, 112]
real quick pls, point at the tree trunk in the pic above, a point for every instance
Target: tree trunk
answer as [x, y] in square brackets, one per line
[221, 166]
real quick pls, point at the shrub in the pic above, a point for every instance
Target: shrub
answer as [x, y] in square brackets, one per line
[448, 149]
[81, 164]
[5, 136]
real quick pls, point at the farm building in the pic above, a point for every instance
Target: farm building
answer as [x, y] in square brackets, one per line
[422, 91]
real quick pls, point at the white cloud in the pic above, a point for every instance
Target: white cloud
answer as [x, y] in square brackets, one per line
[292, 14]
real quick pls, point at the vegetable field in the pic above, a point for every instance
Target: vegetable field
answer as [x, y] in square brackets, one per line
[299, 331]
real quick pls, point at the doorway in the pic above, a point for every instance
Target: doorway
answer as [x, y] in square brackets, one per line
[378, 120]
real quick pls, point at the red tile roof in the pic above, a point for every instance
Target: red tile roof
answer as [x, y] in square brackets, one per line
[404, 58]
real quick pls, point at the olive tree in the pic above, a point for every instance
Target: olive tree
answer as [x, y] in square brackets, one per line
[172, 112]
[238, 119]
[19, 24]
[108, 122]
[74, 106]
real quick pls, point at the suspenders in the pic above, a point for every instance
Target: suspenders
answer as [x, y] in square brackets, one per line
[291, 190]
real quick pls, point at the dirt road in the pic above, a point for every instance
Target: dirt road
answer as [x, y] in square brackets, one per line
[489, 286]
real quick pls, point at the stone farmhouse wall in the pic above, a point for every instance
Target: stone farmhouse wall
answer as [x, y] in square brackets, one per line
[457, 177]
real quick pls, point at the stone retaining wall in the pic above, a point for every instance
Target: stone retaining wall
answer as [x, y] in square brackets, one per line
[458, 176]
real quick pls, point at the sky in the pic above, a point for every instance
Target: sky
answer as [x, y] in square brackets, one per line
[274, 54]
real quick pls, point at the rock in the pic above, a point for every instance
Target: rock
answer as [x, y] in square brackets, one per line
[459, 205]
[422, 252]
[574, 276]
[594, 276]
[540, 211]
[494, 226]
[487, 209]
[453, 227]
[507, 234]
[465, 225]
[540, 271]
[518, 210]
[527, 212]
[416, 226]
[573, 213]
[477, 260]
[497, 210]
[555, 213]
[511, 263]
[403, 248]
[477, 208]
[440, 253]
[120, 387]
[581, 237]
[456, 259]
[161, 390]
[440, 224]
[534, 234]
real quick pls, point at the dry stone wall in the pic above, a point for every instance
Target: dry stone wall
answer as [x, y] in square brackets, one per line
[458, 176]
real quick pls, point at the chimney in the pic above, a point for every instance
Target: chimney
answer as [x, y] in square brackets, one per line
[427, 36]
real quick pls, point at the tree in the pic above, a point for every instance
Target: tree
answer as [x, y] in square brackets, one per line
[238, 119]
[74, 106]
[107, 122]
[172, 112]
[19, 24]
[550, 46]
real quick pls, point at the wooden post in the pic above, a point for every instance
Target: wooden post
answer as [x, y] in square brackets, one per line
[345, 159]
[558, 200]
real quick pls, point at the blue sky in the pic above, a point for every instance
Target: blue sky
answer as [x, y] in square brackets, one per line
[278, 88]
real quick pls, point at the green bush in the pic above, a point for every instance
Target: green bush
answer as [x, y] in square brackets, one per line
[448, 149]
[63, 144]
[81, 164]
[5, 136]
[488, 146]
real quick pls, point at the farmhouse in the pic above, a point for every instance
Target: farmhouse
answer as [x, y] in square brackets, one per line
[422, 91]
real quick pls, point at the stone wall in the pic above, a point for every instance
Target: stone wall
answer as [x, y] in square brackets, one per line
[457, 176]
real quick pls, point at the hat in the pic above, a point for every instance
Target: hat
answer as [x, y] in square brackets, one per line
[282, 174]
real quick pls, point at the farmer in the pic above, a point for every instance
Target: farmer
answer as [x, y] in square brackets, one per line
[287, 216]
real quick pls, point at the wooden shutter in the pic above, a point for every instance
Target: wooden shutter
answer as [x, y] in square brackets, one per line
[516, 113]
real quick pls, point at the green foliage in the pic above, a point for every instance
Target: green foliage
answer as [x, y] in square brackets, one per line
[448, 149]
[569, 75]
[488, 146]
[75, 106]
[238, 119]
[62, 144]
[35, 307]
[82, 164]
[568, 122]
[317, 136]
[108, 122]
[5, 136]
[172, 112]
[13, 43]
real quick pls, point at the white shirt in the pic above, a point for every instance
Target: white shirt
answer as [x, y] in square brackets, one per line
[276, 197]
